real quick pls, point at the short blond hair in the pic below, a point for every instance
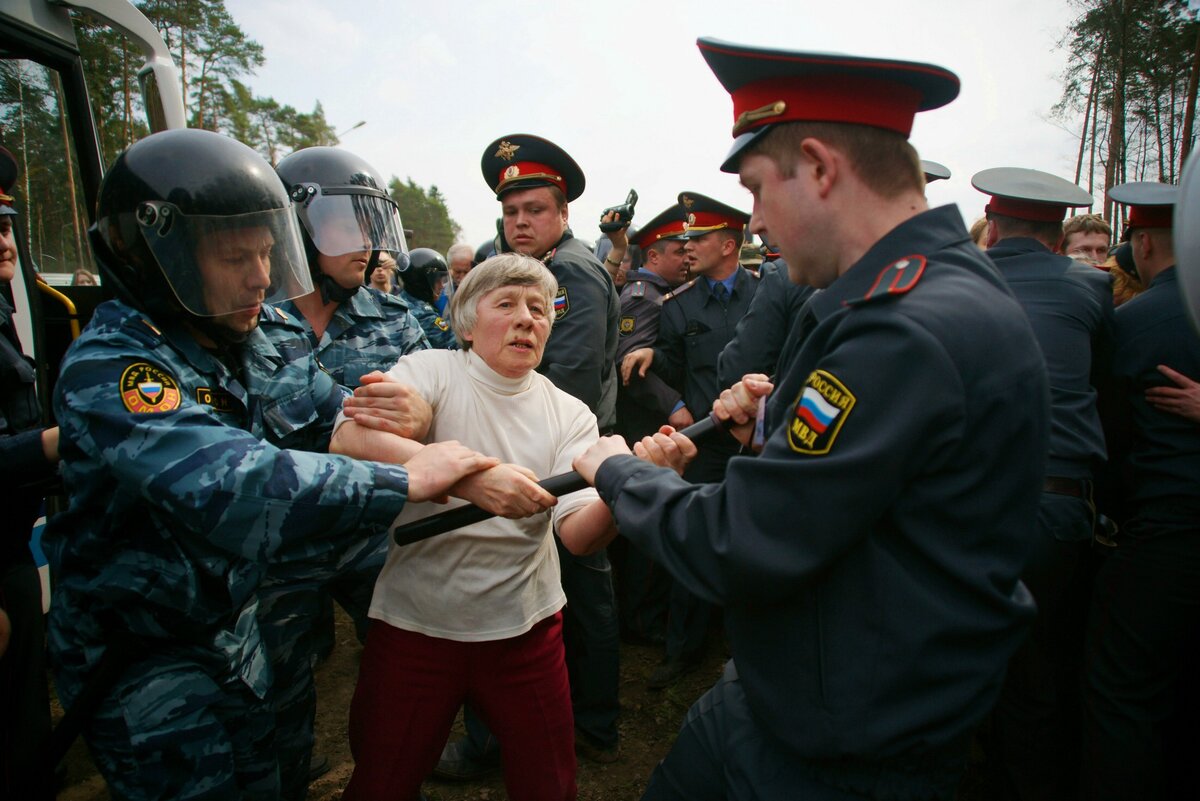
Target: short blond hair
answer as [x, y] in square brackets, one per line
[507, 269]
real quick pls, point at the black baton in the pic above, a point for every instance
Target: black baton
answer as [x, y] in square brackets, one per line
[558, 485]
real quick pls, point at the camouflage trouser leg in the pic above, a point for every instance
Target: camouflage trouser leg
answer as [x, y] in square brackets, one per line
[286, 613]
[169, 730]
[354, 583]
[289, 603]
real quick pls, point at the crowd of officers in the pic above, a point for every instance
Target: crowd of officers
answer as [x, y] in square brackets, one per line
[954, 496]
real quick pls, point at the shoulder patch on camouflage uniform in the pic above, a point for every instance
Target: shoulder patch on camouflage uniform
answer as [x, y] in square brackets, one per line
[819, 412]
[679, 290]
[638, 290]
[146, 389]
[440, 323]
[627, 326]
[562, 303]
[897, 278]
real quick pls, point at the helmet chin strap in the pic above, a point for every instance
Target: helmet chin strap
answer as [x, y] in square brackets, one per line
[223, 335]
[332, 291]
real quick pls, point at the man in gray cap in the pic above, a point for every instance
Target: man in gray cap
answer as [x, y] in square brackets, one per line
[1070, 307]
[1146, 607]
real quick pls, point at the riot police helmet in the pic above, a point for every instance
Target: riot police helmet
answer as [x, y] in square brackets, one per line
[195, 222]
[426, 274]
[343, 207]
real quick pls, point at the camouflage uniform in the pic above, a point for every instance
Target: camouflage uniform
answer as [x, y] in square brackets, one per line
[370, 331]
[436, 327]
[176, 503]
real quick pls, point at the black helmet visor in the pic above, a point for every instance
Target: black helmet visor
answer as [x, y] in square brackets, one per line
[217, 265]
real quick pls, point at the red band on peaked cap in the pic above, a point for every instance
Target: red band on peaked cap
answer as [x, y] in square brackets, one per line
[831, 98]
[648, 236]
[513, 174]
[1151, 217]
[1027, 210]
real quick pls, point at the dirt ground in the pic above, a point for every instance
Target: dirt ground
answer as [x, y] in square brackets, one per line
[648, 723]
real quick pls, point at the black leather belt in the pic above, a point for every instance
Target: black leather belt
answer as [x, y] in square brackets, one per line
[1073, 487]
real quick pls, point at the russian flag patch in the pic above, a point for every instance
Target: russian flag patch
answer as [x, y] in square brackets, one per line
[819, 413]
[562, 303]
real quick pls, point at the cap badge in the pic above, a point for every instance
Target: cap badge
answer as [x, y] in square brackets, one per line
[691, 220]
[687, 201]
[512, 172]
[507, 150]
[754, 115]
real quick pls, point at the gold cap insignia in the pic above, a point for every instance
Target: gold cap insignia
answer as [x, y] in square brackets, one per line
[691, 219]
[686, 201]
[507, 150]
[747, 118]
[512, 172]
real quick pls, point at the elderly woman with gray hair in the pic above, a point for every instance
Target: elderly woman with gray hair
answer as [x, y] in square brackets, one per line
[475, 614]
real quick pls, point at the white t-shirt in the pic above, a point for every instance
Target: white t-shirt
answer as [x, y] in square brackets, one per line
[494, 579]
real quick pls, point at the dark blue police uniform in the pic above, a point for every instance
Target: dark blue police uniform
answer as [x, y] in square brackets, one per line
[694, 328]
[868, 559]
[758, 341]
[1147, 596]
[646, 403]
[1069, 305]
[25, 477]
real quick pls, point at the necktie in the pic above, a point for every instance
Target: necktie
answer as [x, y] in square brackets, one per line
[720, 293]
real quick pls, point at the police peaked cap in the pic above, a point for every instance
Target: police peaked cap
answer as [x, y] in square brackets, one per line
[1030, 195]
[775, 86]
[523, 161]
[1151, 204]
[934, 171]
[670, 224]
[705, 215]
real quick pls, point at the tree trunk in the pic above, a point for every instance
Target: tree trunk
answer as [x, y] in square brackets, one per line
[1189, 112]
[1092, 98]
[1116, 130]
[66, 140]
[1095, 136]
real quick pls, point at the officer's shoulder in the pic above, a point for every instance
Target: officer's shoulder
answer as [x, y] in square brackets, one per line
[896, 279]
[274, 317]
[114, 320]
[674, 293]
[393, 305]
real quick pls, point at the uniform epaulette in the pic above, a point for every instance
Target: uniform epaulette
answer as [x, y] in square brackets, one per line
[679, 290]
[142, 330]
[272, 315]
[897, 278]
[388, 299]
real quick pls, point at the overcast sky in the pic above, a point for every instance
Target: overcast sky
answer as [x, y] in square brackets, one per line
[621, 86]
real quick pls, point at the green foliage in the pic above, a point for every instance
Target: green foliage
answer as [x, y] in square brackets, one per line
[214, 56]
[425, 215]
[1127, 85]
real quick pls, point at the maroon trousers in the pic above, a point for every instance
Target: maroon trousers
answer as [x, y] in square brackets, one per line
[411, 686]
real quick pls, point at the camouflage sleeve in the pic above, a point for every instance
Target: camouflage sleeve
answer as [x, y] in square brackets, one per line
[218, 482]
[404, 326]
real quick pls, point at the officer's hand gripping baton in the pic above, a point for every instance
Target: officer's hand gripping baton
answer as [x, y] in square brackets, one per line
[558, 485]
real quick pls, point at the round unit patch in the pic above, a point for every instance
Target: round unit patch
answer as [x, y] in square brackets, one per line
[145, 389]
